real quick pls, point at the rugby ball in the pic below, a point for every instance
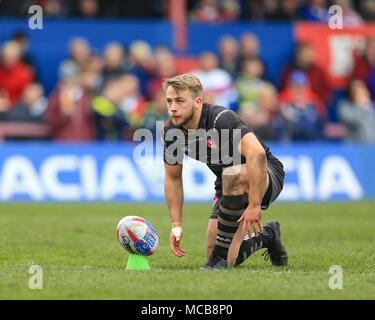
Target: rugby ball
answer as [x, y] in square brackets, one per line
[137, 235]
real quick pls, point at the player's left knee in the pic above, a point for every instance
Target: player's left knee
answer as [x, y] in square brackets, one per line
[234, 180]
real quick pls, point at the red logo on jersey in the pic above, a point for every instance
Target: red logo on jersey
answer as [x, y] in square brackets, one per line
[211, 143]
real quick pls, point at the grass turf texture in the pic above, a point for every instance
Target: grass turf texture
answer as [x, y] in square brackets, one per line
[77, 248]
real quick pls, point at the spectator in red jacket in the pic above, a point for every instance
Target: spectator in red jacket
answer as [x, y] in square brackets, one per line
[301, 113]
[14, 75]
[364, 66]
[305, 61]
[69, 113]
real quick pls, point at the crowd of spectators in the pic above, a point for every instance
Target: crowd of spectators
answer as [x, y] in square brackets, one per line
[208, 11]
[108, 95]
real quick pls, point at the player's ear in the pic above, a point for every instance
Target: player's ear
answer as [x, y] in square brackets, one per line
[198, 100]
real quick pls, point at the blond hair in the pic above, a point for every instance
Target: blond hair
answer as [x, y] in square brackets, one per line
[185, 81]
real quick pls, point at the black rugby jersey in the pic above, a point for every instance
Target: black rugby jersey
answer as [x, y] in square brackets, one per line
[215, 141]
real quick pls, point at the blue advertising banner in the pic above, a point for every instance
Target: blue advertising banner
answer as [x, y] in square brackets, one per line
[123, 172]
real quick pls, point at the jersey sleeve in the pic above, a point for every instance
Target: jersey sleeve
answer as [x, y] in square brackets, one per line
[228, 119]
[232, 129]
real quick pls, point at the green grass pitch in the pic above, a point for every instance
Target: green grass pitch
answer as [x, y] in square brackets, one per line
[77, 248]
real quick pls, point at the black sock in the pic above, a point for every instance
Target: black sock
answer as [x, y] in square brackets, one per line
[230, 210]
[249, 246]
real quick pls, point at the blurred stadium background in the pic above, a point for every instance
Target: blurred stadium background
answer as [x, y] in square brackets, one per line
[92, 76]
[73, 93]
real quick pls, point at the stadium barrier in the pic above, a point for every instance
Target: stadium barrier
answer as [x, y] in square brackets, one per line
[119, 172]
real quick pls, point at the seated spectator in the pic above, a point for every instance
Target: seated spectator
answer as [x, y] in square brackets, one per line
[165, 67]
[349, 16]
[249, 82]
[23, 41]
[260, 113]
[357, 113]
[14, 75]
[364, 66]
[254, 10]
[249, 46]
[69, 112]
[55, 8]
[86, 9]
[133, 104]
[142, 64]
[271, 8]
[315, 10]
[367, 9]
[164, 63]
[32, 106]
[229, 11]
[113, 61]
[92, 78]
[156, 111]
[79, 59]
[207, 11]
[110, 120]
[288, 10]
[299, 110]
[305, 61]
[229, 56]
[217, 83]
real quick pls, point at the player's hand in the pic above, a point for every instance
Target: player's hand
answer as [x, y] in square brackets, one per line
[174, 242]
[251, 218]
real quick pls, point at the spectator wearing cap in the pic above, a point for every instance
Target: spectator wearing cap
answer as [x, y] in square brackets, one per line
[300, 115]
[305, 62]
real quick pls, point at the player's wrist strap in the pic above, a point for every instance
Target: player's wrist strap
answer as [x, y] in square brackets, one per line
[176, 224]
[177, 229]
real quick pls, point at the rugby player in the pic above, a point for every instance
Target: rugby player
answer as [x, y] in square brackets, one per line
[248, 177]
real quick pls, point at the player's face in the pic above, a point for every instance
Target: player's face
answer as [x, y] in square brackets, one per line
[181, 106]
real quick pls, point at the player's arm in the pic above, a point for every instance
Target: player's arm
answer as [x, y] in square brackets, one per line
[256, 164]
[174, 195]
